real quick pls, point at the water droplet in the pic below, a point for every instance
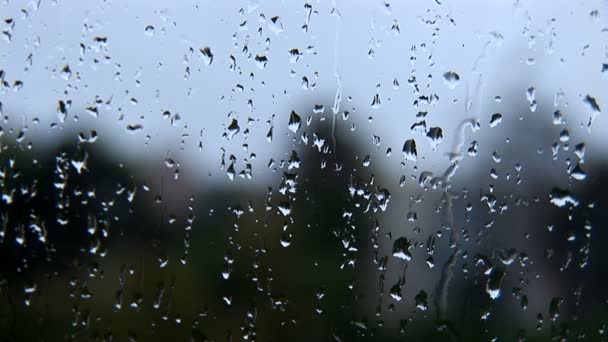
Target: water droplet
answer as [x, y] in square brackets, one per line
[367, 161]
[451, 79]
[554, 307]
[207, 55]
[395, 84]
[592, 103]
[294, 55]
[375, 101]
[494, 283]
[401, 248]
[558, 118]
[409, 150]
[149, 31]
[230, 172]
[396, 292]
[275, 25]
[261, 61]
[294, 122]
[435, 136]
[233, 128]
[421, 300]
[531, 96]
[495, 120]
[578, 173]
[579, 151]
[318, 109]
[66, 72]
[284, 208]
[134, 128]
[62, 111]
[561, 197]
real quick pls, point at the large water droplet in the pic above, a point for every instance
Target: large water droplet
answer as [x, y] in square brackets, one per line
[494, 283]
[294, 122]
[401, 248]
[435, 136]
[451, 79]
[561, 197]
[409, 150]
[495, 120]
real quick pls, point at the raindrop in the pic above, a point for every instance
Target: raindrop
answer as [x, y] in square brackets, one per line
[558, 118]
[421, 300]
[531, 96]
[207, 55]
[134, 128]
[62, 112]
[435, 136]
[294, 55]
[233, 128]
[592, 103]
[495, 120]
[561, 197]
[275, 25]
[261, 61]
[294, 122]
[396, 292]
[66, 72]
[554, 307]
[367, 160]
[451, 79]
[149, 31]
[409, 150]
[284, 208]
[401, 248]
[375, 101]
[578, 173]
[494, 283]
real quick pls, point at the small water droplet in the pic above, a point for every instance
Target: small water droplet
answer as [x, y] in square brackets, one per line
[531, 96]
[367, 160]
[149, 31]
[592, 103]
[207, 55]
[284, 208]
[558, 118]
[66, 72]
[134, 128]
[421, 300]
[376, 101]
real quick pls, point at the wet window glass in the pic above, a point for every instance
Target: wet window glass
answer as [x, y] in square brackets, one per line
[308, 171]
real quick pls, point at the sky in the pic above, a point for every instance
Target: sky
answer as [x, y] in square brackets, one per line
[158, 96]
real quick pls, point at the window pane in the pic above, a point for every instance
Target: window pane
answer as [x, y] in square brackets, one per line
[325, 170]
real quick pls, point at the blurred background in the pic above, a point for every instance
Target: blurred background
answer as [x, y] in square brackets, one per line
[323, 170]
